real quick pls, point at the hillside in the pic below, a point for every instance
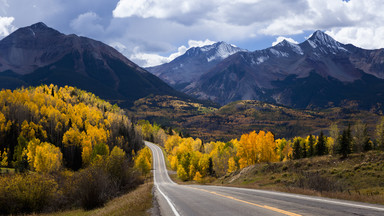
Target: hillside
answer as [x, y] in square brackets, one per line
[355, 178]
[38, 54]
[230, 121]
[62, 147]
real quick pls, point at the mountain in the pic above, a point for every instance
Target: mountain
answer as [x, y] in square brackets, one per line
[190, 66]
[320, 72]
[38, 54]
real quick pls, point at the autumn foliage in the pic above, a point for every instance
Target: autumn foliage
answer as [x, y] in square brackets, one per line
[68, 148]
[61, 126]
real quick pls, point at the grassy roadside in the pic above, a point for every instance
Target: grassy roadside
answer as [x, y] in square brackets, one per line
[134, 203]
[357, 178]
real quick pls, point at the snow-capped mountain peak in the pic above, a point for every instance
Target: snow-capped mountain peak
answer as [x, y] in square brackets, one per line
[325, 43]
[290, 46]
[220, 51]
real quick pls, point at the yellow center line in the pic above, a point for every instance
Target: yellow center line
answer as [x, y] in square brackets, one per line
[250, 203]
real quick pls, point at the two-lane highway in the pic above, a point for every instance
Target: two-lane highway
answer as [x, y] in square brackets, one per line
[216, 200]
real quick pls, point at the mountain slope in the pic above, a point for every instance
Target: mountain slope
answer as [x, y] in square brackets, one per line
[38, 54]
[319, 72]
[196, 61]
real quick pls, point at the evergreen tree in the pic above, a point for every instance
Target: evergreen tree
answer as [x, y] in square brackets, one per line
[296, 149]
[345, 142]
[321, 147]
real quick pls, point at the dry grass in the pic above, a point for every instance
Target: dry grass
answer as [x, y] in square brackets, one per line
[358, 178]
[135, 203]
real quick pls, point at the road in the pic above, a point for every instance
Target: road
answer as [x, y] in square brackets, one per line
[175, 199]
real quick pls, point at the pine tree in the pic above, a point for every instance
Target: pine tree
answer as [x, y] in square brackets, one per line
[345, 142]
[321, 145]
[296, 149]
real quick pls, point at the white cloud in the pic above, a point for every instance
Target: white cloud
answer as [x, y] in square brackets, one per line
[252, 18]
[87, 24]
[150, 59]
[6, 26]
[281, 38]
[118, 46]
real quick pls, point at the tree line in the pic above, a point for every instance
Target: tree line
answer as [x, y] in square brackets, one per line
[194, 160]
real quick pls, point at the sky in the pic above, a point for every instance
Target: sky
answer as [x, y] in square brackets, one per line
[153, 32]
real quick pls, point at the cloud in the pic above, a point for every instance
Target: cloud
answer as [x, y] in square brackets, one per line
[281, 38]
[162, 28]
[151, 59]
[6, 26]
[87, 24]
[369, 38]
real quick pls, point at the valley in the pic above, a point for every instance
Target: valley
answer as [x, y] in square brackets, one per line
[232, 120]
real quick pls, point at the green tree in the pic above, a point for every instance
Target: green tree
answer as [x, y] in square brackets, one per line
[345, 142]
[311, 144]
[321, 147]
[360, 141]
[297, 151]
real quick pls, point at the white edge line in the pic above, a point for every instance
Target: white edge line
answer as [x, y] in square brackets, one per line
[175, 212]
[169, 202]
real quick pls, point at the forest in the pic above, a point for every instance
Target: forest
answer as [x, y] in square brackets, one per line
[62, 147]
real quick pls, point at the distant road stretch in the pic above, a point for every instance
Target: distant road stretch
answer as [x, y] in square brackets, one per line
[204, 200]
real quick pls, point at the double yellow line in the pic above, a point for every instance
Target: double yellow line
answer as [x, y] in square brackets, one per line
[250, 203]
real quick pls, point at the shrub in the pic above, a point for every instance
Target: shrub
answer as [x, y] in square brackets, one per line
[93, 187]
[26, 193]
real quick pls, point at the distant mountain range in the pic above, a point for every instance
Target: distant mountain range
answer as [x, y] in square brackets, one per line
[188, 68]
[38, 54]
[320, 72]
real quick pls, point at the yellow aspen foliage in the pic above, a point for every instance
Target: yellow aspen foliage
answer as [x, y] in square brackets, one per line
[173, 161]
[31, 150]
[181, 173]
[48, 158]
[330, 142]
[192, 171]
[268, 147]
[143, 161]
[117, 153]
[198, 177]
[256, 147]
[172, 142]
[231, 165]
[2, 122]
[72, 137]
[196, 144]
[4, 158]
[203, 164]
[86, 152]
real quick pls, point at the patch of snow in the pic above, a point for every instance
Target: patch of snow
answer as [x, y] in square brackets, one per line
[34, 35]
[222, 52]
[296, 48]
[278, 53]
[313, 44]
[262, 59]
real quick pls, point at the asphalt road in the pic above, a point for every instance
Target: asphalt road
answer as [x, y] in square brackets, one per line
[204, 200]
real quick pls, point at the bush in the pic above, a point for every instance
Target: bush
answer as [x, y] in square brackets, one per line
[93, 187]
[27, 193]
